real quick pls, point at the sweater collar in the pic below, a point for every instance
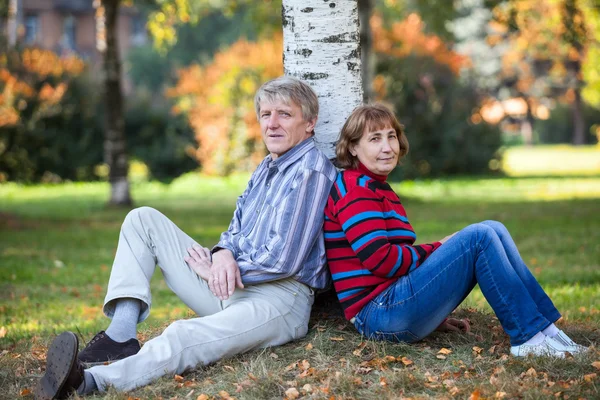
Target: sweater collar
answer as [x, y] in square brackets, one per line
[364, 170]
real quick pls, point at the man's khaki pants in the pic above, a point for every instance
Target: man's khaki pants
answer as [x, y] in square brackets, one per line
[263, 315]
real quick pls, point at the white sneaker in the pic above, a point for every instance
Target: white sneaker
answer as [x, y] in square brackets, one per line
[566, 341]
[548, 347]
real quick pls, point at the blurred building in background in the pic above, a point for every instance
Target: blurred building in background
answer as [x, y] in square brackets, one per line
[73, 26]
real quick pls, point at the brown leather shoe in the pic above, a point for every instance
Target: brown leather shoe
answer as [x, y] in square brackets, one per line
[64, 373]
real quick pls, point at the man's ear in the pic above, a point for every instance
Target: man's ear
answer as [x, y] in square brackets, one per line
[310, 126]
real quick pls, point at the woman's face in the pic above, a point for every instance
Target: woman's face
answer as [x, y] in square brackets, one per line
[378, 150]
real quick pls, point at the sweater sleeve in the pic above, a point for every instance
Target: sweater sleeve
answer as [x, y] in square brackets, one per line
[363, 219]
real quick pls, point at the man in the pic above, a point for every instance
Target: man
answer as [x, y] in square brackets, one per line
[256, 291]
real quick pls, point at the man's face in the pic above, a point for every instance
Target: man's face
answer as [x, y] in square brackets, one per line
[283, 126]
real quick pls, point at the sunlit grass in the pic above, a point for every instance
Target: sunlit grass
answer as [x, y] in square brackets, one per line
[57, 243]
[546, 160]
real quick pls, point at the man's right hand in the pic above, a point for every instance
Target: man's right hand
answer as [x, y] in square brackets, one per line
[224, 274]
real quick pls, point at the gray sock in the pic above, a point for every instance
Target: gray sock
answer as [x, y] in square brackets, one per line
[124, 322]
[88, 385]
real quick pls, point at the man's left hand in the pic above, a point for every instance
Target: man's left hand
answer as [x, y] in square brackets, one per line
[224, 275]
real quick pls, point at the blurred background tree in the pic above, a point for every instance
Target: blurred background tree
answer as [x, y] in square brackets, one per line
[465, 76]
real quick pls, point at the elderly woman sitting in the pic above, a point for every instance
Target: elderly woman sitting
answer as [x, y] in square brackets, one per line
[392, 289]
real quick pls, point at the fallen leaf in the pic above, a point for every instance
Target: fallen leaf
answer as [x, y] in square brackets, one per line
[292, 393]
[475, 395]
[224, 395]
[454, 390]
[25, 392]
[531, 372]
[590, 377]
[307, 388]
[406, 361]
[202, 397]
[477, 349]
[500, 395]
[304, 365]
[337, 339]
[251, 376]
[440, 357]
[178, 378]
[273, 355]
[445, 351]
[383, 381]
[229, 368]
[309, 346]
[596, 364]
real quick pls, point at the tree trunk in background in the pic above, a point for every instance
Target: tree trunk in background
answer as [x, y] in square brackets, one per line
[115, 152]
[11, 23]
[578, 119]
[321, 46]
[367, 58]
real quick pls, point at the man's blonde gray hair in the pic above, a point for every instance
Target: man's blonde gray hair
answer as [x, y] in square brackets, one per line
[289, 89]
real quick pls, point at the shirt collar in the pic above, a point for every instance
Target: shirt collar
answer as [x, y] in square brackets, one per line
[365, 171]
[293, 154]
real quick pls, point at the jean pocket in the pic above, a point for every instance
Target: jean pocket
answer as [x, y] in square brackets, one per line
[400, 336]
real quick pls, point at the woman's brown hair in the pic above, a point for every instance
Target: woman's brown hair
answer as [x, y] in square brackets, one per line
[366, 118]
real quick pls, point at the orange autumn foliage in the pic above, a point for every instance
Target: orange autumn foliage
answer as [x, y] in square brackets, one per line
[408, 37]
[21, 73]
[219, 101]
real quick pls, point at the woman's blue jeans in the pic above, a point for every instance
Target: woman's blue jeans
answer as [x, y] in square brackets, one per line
[485, 254]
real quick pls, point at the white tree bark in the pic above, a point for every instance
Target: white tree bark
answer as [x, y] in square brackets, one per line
[12, 23]
[321, 45]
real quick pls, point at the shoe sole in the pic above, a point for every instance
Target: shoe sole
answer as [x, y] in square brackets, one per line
[59, 361]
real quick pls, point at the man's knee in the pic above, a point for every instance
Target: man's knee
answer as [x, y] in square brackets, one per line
[139, 215]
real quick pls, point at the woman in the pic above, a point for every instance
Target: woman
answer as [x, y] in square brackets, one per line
[391, 289]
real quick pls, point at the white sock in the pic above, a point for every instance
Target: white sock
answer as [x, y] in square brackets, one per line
[536, 339]
[124, 323]
[551, 330]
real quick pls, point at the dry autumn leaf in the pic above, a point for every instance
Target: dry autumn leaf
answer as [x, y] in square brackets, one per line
[500, 395]
[178, 378]
[225, 395]
[590, 377]
[596, 364]
[25, 392]
[229, 368]
[202, 397]
[440, 357]
[444, 351]
[477, 349]
[292, 393]
[309, 346]
[337, 339]
[475, 395]
[406, 361]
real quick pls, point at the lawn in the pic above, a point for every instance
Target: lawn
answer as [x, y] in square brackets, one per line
[57, 245]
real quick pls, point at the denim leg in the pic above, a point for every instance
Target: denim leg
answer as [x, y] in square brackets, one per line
[544, 304]
[417, 303]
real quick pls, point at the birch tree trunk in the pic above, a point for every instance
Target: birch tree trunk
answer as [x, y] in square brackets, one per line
[321, 46]
[12, 22]
[367, 58]
[115, 153]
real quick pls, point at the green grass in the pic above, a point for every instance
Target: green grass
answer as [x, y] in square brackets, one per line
[563, 160]
[57, 244]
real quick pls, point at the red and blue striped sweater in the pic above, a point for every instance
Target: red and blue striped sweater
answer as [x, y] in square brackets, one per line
[368, 239]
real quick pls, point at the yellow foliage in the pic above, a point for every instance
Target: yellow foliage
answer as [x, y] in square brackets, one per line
[219, 102]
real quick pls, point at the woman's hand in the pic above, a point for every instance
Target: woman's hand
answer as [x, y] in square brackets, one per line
[455, 325]
[199, 260]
